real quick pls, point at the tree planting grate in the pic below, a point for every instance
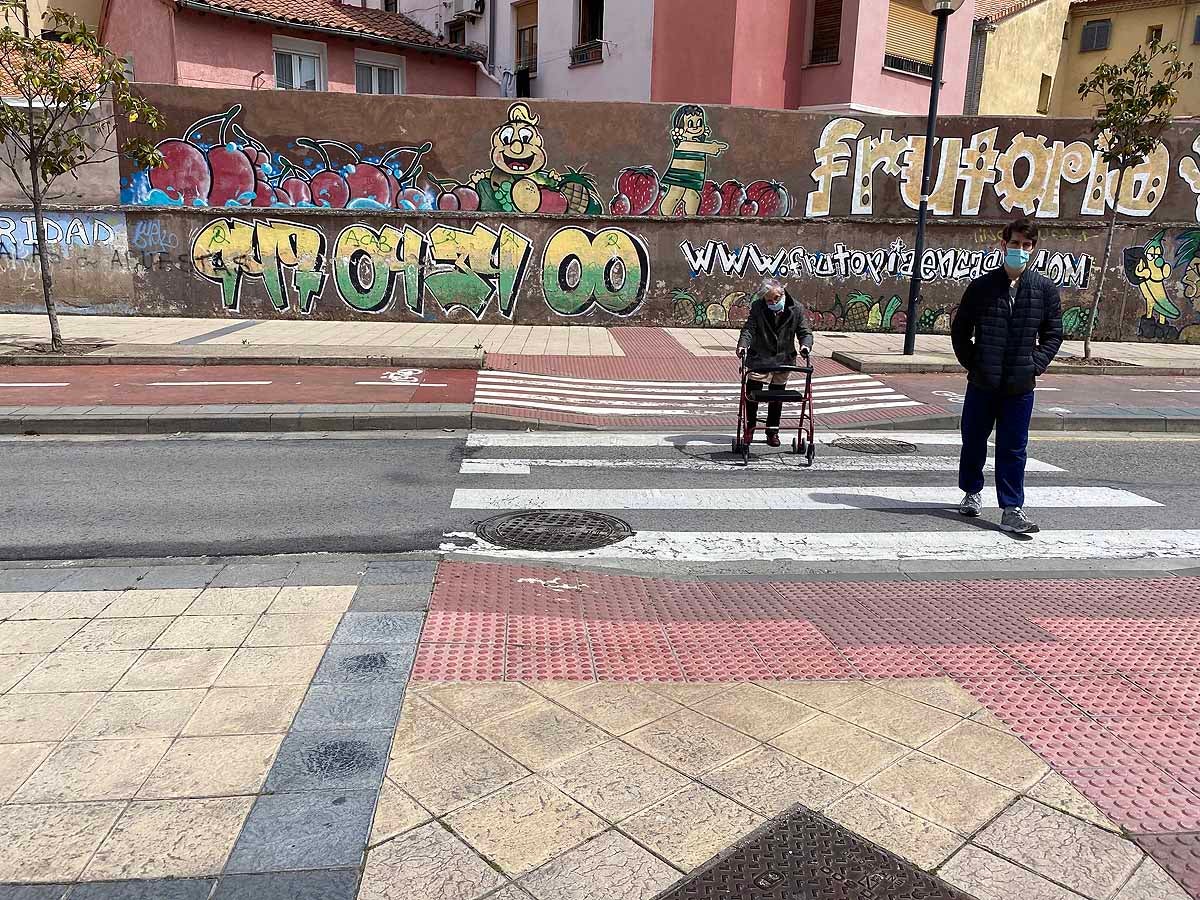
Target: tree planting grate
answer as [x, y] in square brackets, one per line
[553, 529]
[804, 856]
[881, 446]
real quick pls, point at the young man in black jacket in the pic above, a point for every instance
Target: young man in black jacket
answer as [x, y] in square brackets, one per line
[1006, 333]
[776, 322]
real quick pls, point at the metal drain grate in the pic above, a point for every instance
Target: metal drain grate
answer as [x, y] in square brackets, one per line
[553, 529]
[881, 446]
[806, 856]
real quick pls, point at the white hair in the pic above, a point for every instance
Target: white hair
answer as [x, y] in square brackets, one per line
[770, 286]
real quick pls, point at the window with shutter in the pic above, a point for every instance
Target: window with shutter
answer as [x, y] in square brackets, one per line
[911, 35]
[827, 32]
[1095, 35]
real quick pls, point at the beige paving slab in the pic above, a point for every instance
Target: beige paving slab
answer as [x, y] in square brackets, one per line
[224, 766]
[939, 792]
[1087, 859]
[137, 604]
[919, 841]
[541, 735]
[988, 877]
[293, 630]
[688, 694]
[117, 634]
[609, 866]
[471, 703]
[454, 772]
[43, 717]
[15, 666]
[553, 690]
[943, 693]
[524, 825]
[395, 813]
[1055, 791]
[823, 695]
[36, 636]
[17, 762]
[692, 743]
[986, 717]
[691, 826]
[985, 751]
[157, 670]
[427, 862]
[138, 714]
[68, 605]
[755, 711]
[1150, 882]
[199, 632]
[617, 708]
[264, 666]
[421, 724]
[769, 782]
[170, 839]
[232, 601]
[63, 672]
[12, 602]
[898, 718]
[841, 748]
[246, 710]
[93, 770]
[615, 780]
[52, 841]
[310, 600]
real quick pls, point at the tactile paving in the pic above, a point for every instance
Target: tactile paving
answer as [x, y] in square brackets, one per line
[1178, 854]
[805, 856]
[1144, 799]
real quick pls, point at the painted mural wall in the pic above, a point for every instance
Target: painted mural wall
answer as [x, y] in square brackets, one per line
[468, 209]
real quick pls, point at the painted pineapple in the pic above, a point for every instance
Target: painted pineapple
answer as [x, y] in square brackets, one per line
[580, 190]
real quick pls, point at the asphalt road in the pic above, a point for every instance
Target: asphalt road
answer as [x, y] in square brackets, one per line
[275, 494]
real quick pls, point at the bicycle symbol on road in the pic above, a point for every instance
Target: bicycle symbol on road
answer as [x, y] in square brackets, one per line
[403, 376]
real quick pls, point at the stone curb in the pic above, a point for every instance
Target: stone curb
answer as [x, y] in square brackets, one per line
[872, 364]
[179, 355]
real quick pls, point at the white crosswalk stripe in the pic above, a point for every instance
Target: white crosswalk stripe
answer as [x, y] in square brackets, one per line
[688, 499]
[613, 397]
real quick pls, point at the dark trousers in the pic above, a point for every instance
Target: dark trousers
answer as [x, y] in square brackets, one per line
[775, 381]
[982, 412]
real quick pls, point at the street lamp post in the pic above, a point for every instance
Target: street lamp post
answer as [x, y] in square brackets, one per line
[941, 10]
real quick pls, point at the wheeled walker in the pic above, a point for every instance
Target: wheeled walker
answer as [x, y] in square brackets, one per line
[759, 392]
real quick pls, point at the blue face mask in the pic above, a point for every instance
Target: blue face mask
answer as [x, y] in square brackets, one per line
[776, 305]
[1016, 259]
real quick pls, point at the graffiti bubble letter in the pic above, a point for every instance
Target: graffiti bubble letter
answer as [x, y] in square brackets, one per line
[226, 251]
[832, 161]
[581, 268]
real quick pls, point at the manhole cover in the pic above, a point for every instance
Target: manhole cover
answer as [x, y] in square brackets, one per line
[553, 529]
[804, 855]
[881, 446]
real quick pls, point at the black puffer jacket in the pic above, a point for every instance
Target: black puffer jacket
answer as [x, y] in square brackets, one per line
[1001, 350]
[769, 338]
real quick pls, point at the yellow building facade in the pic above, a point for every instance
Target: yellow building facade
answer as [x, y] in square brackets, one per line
[88, 10]
[1109, 31]
[1020, 45]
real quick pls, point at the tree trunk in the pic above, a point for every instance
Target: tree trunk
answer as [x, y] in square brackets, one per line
[56, 341]
[1108, 242]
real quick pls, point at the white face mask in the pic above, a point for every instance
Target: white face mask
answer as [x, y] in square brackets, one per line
[776, 305]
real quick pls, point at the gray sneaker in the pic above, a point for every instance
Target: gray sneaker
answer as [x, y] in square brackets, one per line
[1014, 520]
[972, 505]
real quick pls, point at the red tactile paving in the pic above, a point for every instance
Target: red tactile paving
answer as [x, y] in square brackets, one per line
[649, 342]
[1102, 679]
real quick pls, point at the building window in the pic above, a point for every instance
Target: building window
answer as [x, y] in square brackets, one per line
[1153, 35]
[391, 5]
[370, 79]
[527, 35]
[1095, 35]
[590, 48]
[456, 32]
[1043, 106]
[911, 35]
[299, 65]
[826, 32]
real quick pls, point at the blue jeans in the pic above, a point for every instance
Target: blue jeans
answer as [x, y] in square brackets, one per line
[982, 412]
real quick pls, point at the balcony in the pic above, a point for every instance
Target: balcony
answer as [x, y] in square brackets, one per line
[587, 53]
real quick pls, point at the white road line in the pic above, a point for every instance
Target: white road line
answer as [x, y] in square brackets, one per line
[675, 439]
[643, 401]
[863, 406]
[973, 545]
[882, 463]
[34, 384]
[1165, 390]
[203, 383]
[840, 497]
[566, 379]
[632, 408]
[535, 391]
[407, 384]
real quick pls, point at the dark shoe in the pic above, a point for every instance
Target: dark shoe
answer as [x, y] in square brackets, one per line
[772, 438]
[1015, 521]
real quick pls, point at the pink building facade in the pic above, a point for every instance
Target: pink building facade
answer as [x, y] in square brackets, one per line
[325, 45]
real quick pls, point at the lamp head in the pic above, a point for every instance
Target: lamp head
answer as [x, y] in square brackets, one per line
[933, 7]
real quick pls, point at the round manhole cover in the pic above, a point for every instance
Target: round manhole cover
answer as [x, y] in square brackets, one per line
[881, 446]
[553, 529]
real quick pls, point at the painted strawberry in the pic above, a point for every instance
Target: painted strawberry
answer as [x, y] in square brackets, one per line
[733, 195]
[771, 196]
[749, 208]
[620, 205]
[710, 199]
[640, 185]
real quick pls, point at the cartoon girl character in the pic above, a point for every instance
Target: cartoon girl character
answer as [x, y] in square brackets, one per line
[684, 180]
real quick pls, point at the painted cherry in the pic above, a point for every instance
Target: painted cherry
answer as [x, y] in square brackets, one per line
[329, 187]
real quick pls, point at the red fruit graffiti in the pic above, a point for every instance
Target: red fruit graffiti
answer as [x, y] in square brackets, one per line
[749, 208]
[365, 181]
[264, 194]
[296, 185]
[553, 203]
[710, 199]
[448, 201]
[468, 198]
[412, 198]
[733, 195]
[640, 185]
[620, 205]
[771, 196]
[184, 174]
[329, 187]
[232, 175]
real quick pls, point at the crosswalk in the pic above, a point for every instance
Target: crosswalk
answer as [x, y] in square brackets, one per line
[687, 499]
[832, 394]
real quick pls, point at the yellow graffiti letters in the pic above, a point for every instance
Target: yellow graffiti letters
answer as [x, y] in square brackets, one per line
[581, 269]
[832, 158]
[366, 263]
[1023, 190]
[978, 169]
[1145, 183]
[226, 251]
[1190, 173]
[871, 154]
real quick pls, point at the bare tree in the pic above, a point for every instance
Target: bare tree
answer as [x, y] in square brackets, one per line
[63, 93]
[1136, 106]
